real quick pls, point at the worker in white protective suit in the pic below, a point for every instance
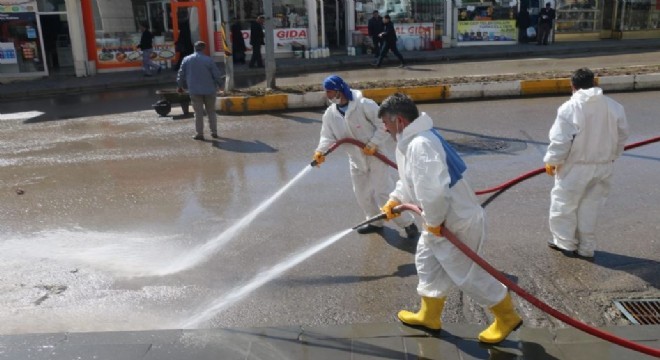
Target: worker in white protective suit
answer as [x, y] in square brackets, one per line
[588, 134]
[431, 177]
[351, 115]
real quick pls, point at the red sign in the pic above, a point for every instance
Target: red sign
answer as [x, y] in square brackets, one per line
[417, 29]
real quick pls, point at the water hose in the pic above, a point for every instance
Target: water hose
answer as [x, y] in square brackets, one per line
[521, 292]
[500, 187]
[514, 287]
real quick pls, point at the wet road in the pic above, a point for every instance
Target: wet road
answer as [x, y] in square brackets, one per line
[126, 223]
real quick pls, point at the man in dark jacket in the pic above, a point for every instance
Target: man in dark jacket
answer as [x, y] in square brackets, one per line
[389, 37]
[146, 45]
[522, 23]
[256, 40]
[237, 43]
[546, 17]
[375, 28]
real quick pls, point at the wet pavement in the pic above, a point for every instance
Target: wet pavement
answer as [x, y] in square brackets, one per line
[122, 225]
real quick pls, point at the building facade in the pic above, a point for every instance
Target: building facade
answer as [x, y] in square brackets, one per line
[82, 37]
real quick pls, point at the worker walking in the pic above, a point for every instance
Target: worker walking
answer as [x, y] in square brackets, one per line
[431, 177]
[588, 134]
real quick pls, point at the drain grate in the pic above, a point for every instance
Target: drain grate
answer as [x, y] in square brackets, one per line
[640, 312]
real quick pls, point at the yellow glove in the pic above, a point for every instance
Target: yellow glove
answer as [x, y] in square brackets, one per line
[435, 230]
[319, 158]
[551, 169]
[369, 149]
[387, 209]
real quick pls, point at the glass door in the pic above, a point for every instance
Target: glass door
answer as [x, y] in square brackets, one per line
[189, 24]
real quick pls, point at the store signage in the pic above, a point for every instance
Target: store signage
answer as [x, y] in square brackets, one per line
[129, 56]
[16, 6]
[8, 54]
[412, 29]
[284, 39]
[487, 31]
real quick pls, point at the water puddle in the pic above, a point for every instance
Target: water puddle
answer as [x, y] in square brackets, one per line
[259, 280]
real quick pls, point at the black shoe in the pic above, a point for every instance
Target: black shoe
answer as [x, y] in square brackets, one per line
[576, 254]
[160, 68]
[198, 137]
[214, 135]
[368, 229]
[553, 246]
[411, 230]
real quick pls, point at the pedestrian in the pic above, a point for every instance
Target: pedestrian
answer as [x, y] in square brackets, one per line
[588, 134]
[203, 78]
[256, 40]
[388, 35]
[183, 45]
[237, 43]
[146, 45]
[431, 177]
[546, 18]
[375, 27]
[522, 23]
[351, 115]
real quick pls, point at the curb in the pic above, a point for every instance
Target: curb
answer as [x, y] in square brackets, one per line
[465, 91]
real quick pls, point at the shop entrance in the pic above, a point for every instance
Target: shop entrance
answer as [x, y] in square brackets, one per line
[610, 27]
[334, 15]
[189, 24]
[57, 43]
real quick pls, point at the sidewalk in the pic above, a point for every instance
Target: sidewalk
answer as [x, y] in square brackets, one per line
[290, 66]
[356, 342]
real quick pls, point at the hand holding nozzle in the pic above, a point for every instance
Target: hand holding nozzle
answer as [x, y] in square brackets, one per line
[370, 149]
[389, 209]
[319, 158]
[394, 211]
[551, 169]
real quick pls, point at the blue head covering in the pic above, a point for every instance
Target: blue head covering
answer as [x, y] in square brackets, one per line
[334, 82]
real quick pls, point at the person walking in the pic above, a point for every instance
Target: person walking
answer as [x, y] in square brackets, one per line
[588, 134]
[183, 45]
[237, 43]
[146, 45]
[389, 42]
[203, 78]
[522, 23]
[256, 40]
[546, 19]
[351, 115]
[375, 27]
[431, 177]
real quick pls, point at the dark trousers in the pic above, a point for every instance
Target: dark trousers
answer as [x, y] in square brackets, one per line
[256, 57]
[544, 32]
[387, 46]
[378, 42]
[522, 35]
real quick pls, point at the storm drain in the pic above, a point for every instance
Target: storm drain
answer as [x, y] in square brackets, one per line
[640, 312]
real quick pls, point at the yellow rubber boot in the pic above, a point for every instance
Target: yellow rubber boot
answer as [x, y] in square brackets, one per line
[506, 320]
[428, 315]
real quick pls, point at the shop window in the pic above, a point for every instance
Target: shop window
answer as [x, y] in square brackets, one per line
[20, 43]
[640, 15]
[427, 15]
[117, 30]
[51, 5]
[578, 16]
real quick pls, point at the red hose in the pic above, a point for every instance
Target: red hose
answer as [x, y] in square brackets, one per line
[503, 186]
[532, 299]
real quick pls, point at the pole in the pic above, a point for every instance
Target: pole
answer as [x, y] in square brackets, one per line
[322, 25]
[270, 45]
[229, 60]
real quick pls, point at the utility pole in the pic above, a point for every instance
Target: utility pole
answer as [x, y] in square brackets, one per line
[270, 44]
[229, 60]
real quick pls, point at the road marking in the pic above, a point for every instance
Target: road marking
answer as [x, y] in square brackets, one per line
[25, 115]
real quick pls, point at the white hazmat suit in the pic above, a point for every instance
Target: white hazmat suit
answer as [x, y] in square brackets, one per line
[425, 179]
[588, 134]
[372, 179]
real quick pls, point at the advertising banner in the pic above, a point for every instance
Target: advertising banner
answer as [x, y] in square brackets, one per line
[16, 6]
[487, 31]
[284, 38]
[117, 56]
